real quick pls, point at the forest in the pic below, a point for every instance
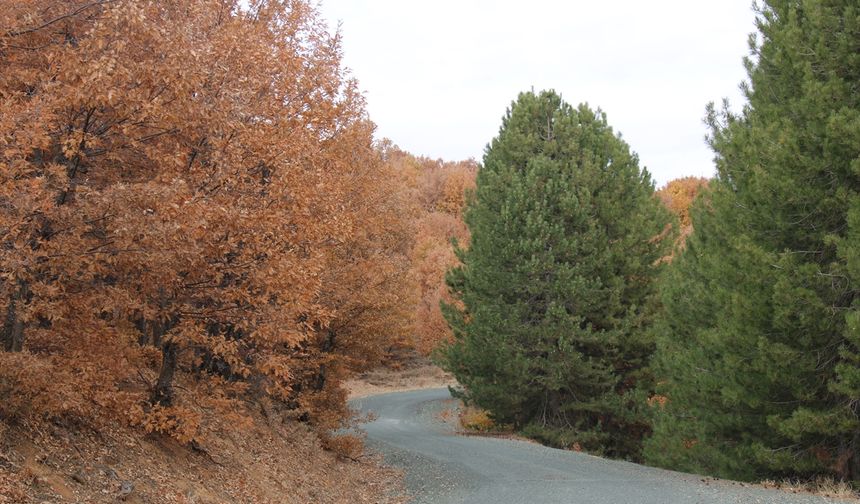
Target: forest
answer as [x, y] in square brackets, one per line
[200, 233]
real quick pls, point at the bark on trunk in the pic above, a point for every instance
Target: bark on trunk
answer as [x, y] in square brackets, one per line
[847, 461]
[321, 378]
[329, 342]
[854, 463]
[327, 347]
[17, 336]
[6, 330]
[12, 332]
[142, 328]
[158, 329]
[163, 392]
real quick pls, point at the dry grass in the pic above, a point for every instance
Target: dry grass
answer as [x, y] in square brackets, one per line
[824, 487]
[476, 419]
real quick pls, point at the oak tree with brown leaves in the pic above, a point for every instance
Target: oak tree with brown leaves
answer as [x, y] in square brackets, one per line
[178, 204]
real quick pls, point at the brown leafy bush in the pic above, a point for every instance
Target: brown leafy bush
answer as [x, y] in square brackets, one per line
[678, 196]
[475, 419]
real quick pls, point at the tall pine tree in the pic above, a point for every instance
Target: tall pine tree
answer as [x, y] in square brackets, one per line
[555, 289]
[758, 344]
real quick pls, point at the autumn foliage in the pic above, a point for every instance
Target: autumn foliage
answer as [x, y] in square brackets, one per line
[189, 200]
[439, 191]
[678, 196]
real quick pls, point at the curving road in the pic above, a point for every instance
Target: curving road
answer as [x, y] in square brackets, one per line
[443, 467]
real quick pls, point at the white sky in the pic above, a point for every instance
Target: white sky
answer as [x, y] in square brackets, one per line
[439, 75]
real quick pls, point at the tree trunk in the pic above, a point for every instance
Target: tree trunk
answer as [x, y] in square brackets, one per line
[854, 461]
[142, 327]
[6, 330]
[321, 378]
[329, 342]
[327, 347]
[12, 332]
[163, 392]
[846, 464]
[17, 336]
[157, 329]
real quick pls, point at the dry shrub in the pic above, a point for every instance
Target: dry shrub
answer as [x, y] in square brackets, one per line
[824, 487]
[179, 422]
[476, 419]
[657, 400]
[678, 195]
[347, 446]
[12, 488]
[39, 386]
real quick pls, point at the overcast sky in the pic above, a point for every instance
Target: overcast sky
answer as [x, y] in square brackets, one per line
[439, 75]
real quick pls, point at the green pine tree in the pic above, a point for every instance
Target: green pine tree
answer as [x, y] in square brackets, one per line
[758, 343]
[555, 290]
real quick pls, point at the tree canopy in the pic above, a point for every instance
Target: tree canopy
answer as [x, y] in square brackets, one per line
[187, 188]
[758, 342]
[555, 288]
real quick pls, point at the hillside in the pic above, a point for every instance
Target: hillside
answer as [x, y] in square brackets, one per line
[276, 461]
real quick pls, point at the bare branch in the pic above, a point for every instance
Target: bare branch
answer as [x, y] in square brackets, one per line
[15, 33]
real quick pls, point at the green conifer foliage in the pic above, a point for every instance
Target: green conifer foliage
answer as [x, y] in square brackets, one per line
[555, 289]
[758, 343]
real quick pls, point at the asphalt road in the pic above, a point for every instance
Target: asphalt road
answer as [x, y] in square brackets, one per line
[443, 467]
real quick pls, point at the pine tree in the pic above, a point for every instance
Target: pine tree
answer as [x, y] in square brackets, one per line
[758, 344]
[555, 288]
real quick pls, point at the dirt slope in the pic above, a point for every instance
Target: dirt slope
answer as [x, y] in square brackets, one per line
[275, 461]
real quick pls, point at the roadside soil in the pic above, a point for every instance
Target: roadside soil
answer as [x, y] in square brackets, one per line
[276, 460]
[413, 374]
